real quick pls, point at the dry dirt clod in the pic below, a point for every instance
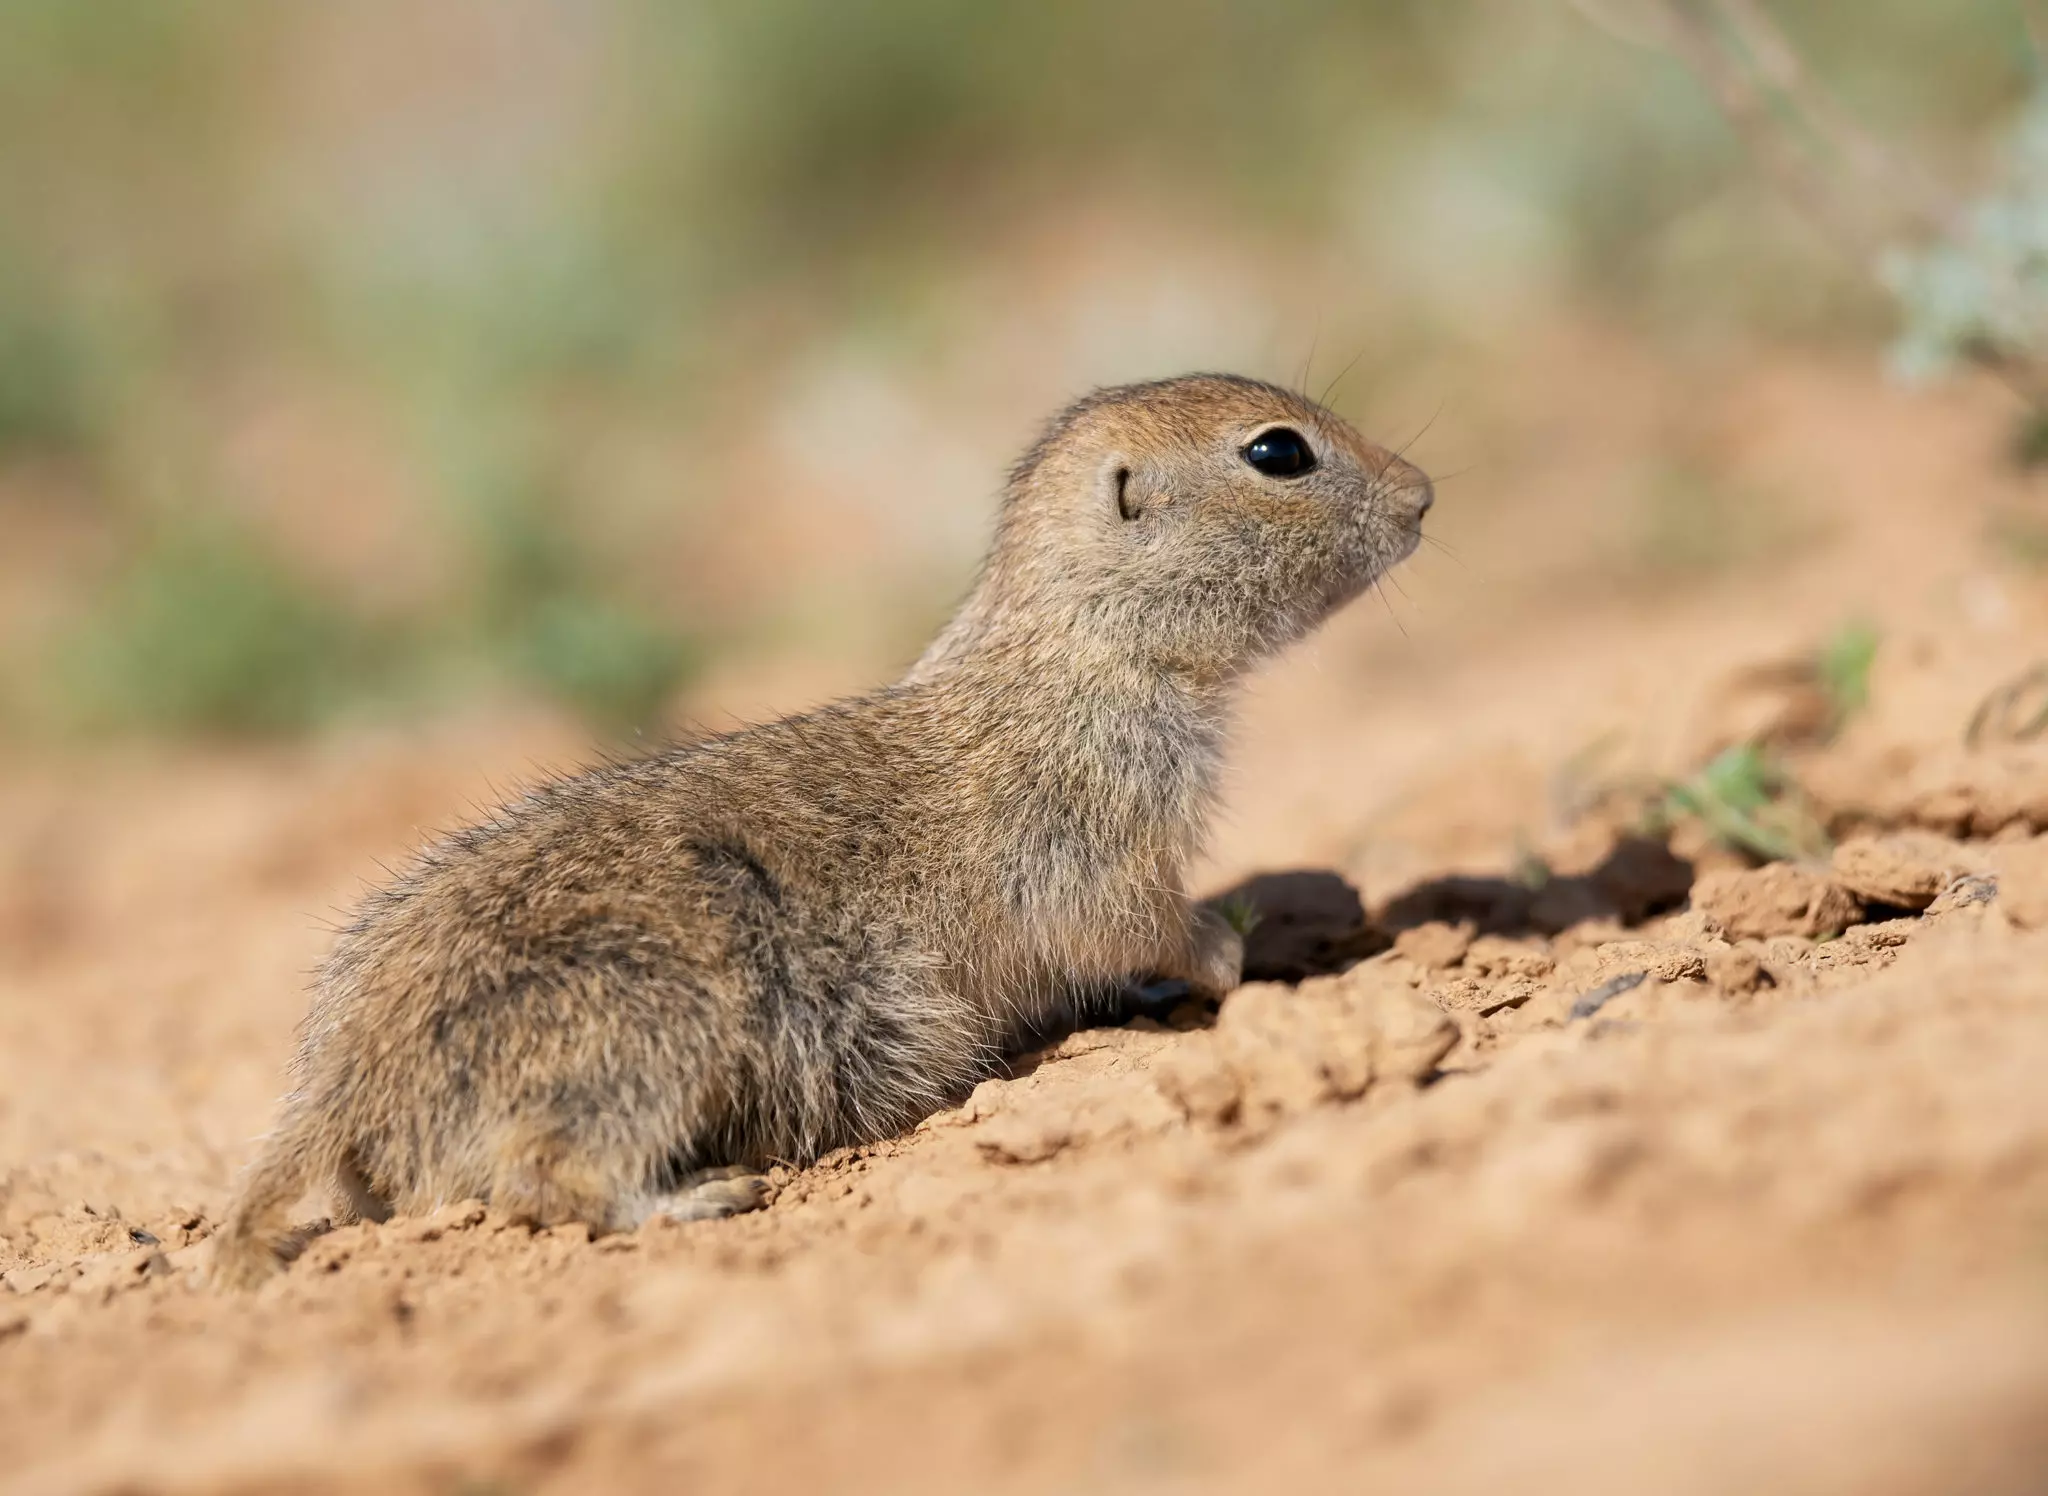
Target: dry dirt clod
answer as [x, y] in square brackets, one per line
[1498, 956]
[1888, 870]
[463, 1215]
[1410, 1035]
[1665, 960]
[1779, 898]
[1277, 1051]
[1503, 995]
[1201, 1081]
[1736, 971]
[1436, 944]
[1777, 703]
[1027, 1139]
[2023, 882]
[29, 1279]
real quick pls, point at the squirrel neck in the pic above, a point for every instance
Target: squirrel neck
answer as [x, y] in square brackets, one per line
[1096, 748]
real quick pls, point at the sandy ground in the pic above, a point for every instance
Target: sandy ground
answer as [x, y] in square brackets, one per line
[1621, 1169]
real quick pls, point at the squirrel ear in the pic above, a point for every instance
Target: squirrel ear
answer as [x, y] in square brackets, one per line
[1133, 497]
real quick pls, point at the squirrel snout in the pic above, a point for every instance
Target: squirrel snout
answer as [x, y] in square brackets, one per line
[1422, 494]
[1407, 487]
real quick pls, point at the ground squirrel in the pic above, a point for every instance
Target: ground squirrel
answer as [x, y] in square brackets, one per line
[625, 992]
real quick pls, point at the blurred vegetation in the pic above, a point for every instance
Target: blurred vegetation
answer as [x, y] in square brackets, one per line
[1744, 797]
[1978, 293]
[526, 236]
[1747, 802]
[543, 610]
[1842, 667]
[45, 406]
[204, 631]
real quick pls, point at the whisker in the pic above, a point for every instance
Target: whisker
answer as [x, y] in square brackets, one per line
[1330, 388]
[1381, 593]
[1402, 450]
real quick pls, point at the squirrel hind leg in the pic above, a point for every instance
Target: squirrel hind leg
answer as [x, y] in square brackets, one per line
[355, 1198]
[546, 1177]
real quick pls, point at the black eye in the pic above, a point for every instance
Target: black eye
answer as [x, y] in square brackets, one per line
[1280, 453]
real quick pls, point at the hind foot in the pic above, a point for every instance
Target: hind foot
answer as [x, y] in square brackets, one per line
[709, 1194]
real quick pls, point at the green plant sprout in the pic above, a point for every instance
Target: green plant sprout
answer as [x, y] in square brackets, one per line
[1843, 667]
[1748, 803]
[1241, 914]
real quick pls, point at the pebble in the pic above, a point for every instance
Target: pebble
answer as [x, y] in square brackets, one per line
[1592, 1002]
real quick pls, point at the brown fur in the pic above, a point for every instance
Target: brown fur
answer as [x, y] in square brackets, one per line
[816, 931]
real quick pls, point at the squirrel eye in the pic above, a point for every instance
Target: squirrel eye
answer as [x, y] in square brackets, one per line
[1280, 453]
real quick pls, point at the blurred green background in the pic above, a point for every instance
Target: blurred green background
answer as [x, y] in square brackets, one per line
[372, 357]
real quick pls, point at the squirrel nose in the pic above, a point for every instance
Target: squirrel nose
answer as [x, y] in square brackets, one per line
[1404, 480]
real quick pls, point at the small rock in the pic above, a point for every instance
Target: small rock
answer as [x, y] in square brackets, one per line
[1778, 898]
[29, 1279]
[1592, 1002]
[1436, 945]
[1964, 892]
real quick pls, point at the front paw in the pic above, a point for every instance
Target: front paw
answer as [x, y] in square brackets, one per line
[1217, 956]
